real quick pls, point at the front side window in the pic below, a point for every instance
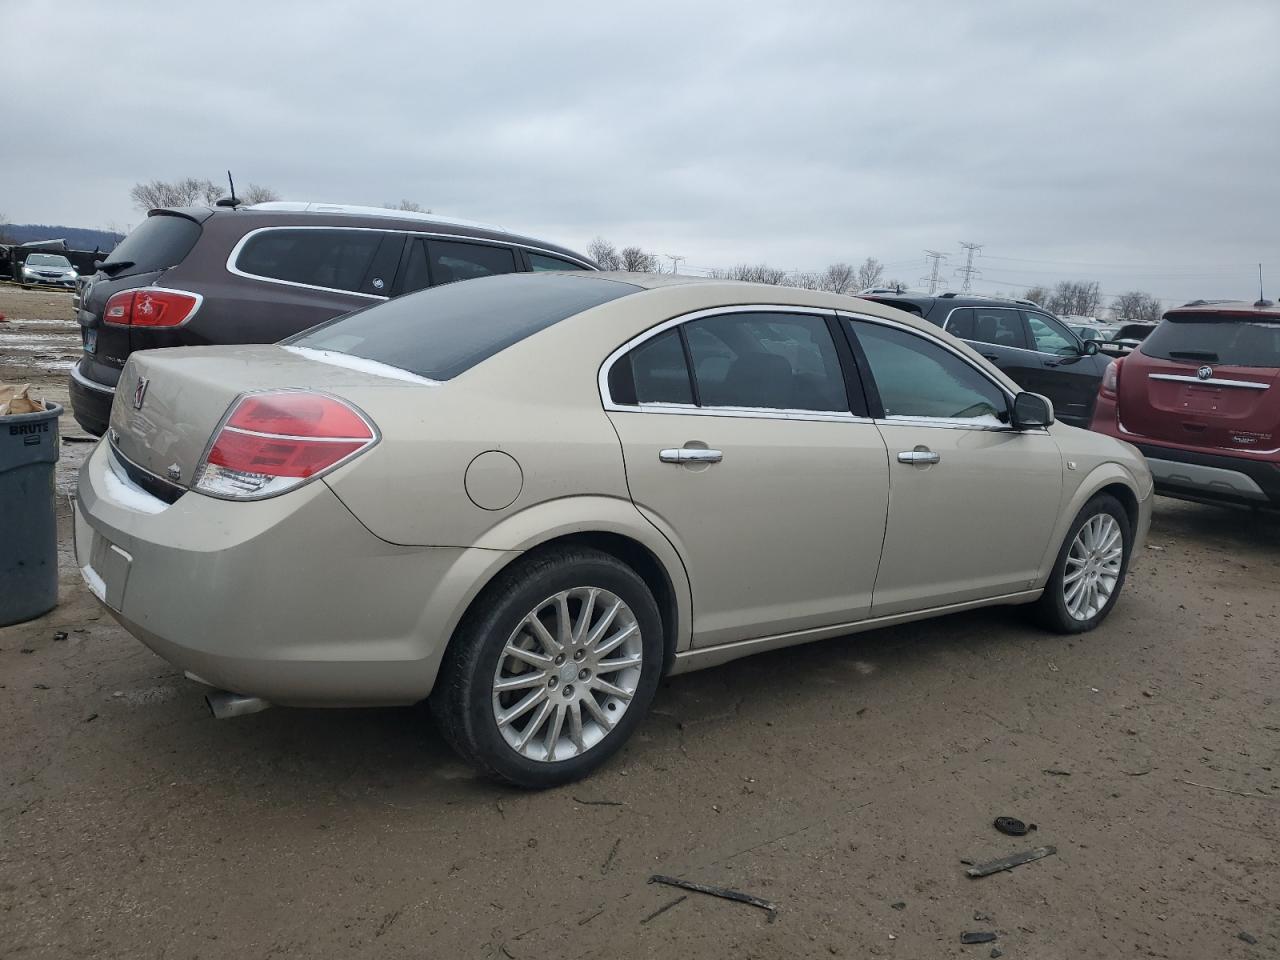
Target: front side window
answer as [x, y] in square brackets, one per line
[451, 261]
[998, 327]
[782, 361]
[1050, 336]
[336, 259]
[541, 261]
[918, 378]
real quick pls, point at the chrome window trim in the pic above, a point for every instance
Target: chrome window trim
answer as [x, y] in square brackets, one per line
[683, 409]
[432, 235]
[1211, 382]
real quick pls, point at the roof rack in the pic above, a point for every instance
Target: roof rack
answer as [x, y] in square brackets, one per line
[309, 206]
[950, 294]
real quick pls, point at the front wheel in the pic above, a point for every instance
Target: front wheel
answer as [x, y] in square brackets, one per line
[552, 669]
[1090, 570]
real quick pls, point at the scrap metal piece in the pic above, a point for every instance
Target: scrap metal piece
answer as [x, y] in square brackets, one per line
[723, 892]
[1011, 861]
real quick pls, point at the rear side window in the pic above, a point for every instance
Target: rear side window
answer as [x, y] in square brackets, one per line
[654, 372]
[541, 261]
[1215, 338]
[466, 261]
[960, 324]
[334, 259]
[442, 332]
[159, 242]
[1000, 328]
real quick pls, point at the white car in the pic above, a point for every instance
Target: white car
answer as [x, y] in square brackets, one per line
[49, 269]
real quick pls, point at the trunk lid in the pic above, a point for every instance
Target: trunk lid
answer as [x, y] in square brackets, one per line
[1206, 379]
[170, 402]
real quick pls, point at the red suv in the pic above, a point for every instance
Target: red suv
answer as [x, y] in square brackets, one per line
[1200, 397]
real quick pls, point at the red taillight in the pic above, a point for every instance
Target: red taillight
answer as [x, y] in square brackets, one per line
[272, 442]
[151, 307]
[1110, 387]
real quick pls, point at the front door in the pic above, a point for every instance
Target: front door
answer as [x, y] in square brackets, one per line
[1065, 374]
[972, 502]
[741, 447]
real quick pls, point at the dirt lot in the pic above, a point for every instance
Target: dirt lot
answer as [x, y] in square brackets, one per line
[846, 780]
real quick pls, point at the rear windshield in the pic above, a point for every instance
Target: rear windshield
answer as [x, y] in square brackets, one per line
[159, 242]
[442, 332]
[1215, 338]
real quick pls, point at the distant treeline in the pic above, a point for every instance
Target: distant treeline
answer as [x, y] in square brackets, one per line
[78, 238]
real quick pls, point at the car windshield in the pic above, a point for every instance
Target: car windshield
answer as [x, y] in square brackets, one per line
[47, 260]
[1216, 338]
[444, 331]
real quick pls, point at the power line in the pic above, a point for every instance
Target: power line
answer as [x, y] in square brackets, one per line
[969, 271]
[675, 261]
[935, 259]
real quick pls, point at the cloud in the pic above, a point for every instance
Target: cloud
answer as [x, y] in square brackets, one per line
[1141, 134]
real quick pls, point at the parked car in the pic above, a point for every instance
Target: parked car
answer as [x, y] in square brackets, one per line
[198, 275]
[48, 269]
[1027, 343]
[1102, 332]
[1200, 397]
[529, 496]
[1127, 336]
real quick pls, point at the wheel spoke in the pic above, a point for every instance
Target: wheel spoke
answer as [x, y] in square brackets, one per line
[543, 635]
[597, 712]
[604, 686]
[606, 620]
[1073, 576]
[534, 678]
[584, 615]
[524, 706]
[528, 656]
[536, 723]
[575, 725]
[618, 638]
[564, 624]
[611, 666]
[553, 730]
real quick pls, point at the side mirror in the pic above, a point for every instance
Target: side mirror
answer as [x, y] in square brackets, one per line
[1090, 347]
[1030, 411]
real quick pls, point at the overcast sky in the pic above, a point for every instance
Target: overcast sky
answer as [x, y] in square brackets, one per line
[1136, 143]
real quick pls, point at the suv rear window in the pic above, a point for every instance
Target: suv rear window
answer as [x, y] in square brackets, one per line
[444, 331]
[1215, 338]
[161, 241]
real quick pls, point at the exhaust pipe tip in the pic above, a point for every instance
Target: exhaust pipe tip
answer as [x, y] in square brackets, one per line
[224, 704]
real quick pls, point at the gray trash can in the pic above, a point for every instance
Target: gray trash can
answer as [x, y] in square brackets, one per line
[29, 448]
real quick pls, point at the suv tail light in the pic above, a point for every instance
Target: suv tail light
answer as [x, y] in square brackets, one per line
[273, 442]
[151, 307]
[1110, 387]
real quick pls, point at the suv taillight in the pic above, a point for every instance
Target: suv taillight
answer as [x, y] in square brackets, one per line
[273, 442]
[151, 307]
[1110, 387]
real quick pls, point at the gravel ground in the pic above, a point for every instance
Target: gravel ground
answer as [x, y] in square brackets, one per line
[847, 781]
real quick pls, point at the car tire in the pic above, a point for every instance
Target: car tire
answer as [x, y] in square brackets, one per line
[472, 714]
[1088, 558]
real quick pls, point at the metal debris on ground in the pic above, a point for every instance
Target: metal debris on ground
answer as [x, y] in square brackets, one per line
[723, 892]
[900, 905]
[599, 803]
[608, 861]
[980, 936]
[665, 907]
[1011, 861]
[60, 635]
[996, 952]
[1056, 773]
[1247, 937]
[1013, 826]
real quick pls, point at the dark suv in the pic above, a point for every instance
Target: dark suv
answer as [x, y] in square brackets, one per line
[256, 274]
[1029, 344]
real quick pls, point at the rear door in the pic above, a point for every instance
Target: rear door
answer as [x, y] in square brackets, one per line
[741, 444]
[1206, 380]
[431, 262]
[999, 335]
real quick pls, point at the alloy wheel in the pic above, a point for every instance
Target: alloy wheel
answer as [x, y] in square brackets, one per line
[1093, 566]
[567, 674]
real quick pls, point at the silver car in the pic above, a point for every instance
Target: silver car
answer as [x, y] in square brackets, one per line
[49, 269]
[528, 497]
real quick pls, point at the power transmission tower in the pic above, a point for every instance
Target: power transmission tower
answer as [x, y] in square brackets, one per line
[933, 279]
[675, 261]
[969, 271]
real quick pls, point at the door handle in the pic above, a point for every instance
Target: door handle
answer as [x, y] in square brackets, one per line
[690, 455]
[918, 457]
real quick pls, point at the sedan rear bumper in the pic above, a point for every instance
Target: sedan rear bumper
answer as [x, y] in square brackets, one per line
[290, 599]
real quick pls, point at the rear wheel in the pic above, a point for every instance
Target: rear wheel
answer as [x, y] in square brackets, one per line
[1090, 570]
[552, 669]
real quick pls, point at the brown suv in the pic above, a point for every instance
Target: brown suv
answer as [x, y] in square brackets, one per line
[255, 274]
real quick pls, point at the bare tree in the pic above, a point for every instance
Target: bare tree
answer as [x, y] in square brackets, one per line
[604, 253]
[411, 206]
[805, 280]
[870, 274]
[636, 260]
[259, 194]
[1038, 294]
[753, 273]
[840, 278]
[1137, 305]
[1081, 298]
[897, 285]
